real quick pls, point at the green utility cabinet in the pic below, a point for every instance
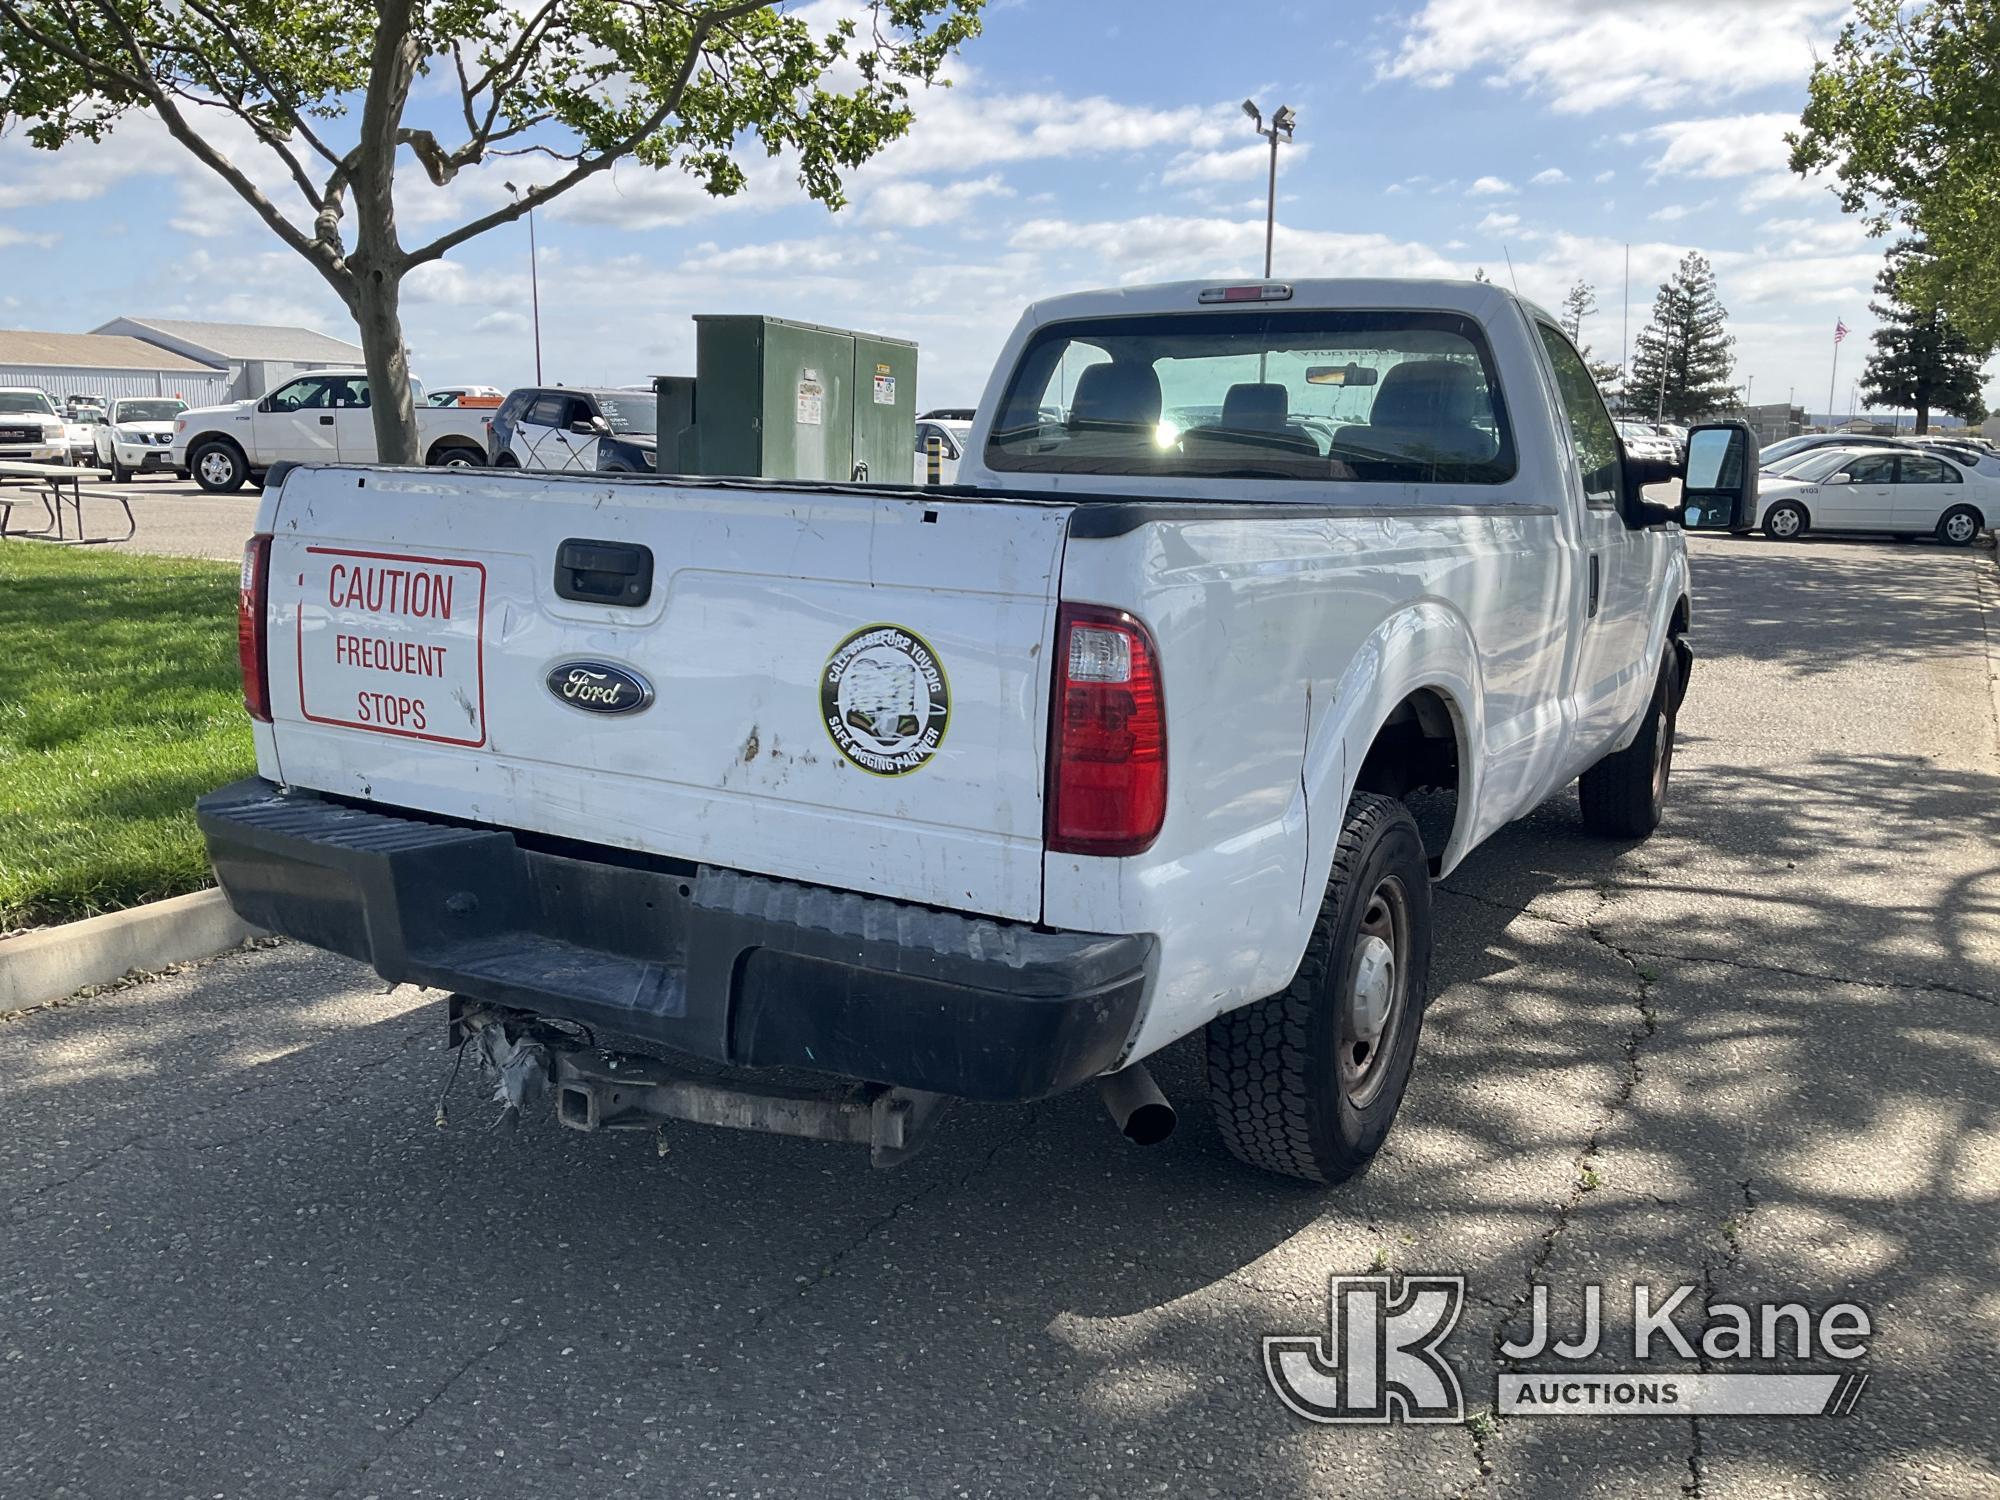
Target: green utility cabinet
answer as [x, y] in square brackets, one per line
[784, 400]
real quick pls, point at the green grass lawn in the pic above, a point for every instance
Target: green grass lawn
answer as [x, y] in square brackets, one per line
[119, 705]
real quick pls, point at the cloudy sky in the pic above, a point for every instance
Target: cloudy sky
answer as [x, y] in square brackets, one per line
[1088, 142]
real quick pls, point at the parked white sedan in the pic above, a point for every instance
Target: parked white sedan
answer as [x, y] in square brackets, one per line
[1900, 492]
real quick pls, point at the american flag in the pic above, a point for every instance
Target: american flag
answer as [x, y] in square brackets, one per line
[1839, 329]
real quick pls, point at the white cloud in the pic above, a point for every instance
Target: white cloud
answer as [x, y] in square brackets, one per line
[1584, 55]
[1240, 164]
[1604, 176]
[1723, 146]
[11, 237]
[1490, 187]
[913, 203]
[824, 254]
[1673, 213]
[1160, 247]
[1549, 176]
[966, 127]
[1499, 223]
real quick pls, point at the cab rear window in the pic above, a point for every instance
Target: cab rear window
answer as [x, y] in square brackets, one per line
[1375, 396]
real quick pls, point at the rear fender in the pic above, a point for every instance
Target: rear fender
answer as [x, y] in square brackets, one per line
[1426, 646]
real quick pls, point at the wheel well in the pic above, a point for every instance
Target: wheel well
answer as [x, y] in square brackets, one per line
[450, 445]
[1416, 750]
[1682, 617]
[1977, 514]
[195, 444]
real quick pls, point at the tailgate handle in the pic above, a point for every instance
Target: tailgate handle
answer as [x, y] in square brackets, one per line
[619, 573]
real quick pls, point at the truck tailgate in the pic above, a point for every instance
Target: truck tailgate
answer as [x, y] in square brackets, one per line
[840, 687]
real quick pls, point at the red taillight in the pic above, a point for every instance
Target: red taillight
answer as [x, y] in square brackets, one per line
[251, 604]
[1108, 736]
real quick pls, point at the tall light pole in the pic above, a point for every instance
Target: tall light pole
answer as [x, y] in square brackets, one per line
[1280, 128]
[534, 283]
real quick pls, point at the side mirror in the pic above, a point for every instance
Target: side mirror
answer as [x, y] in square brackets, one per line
[1841, 478]
[1720, 491]
[589, 426]
[1640, 473]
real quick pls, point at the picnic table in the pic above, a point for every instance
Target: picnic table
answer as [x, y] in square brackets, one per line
[47, 482]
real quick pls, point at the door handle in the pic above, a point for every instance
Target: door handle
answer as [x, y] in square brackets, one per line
[619, 573]
[326, 421]
[1596, 581]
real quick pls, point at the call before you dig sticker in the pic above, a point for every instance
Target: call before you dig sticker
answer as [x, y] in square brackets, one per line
[393, 644]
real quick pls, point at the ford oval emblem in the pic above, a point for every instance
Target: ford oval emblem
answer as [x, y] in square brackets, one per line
[598, 687]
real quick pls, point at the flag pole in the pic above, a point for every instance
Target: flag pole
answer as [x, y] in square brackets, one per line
[1833, 380]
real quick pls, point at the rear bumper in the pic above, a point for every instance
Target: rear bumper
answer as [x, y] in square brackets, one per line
[731, 967]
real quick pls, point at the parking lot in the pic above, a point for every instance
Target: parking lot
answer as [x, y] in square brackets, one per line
[1756, 1053]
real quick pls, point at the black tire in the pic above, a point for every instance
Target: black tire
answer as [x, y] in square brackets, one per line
[1787, 530]
[119, 472]
[506, 460]
[1282, 1098]
[1624, 794]
[181, 475]
[457, 456]
[218, 467]
[1958, 526]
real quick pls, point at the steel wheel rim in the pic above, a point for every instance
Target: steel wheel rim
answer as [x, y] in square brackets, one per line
[1785, 523]
[1958, 528]
[216, 468]
[457, 461]
[1374, 993]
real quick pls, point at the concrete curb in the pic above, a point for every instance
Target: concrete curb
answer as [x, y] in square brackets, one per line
[59, 961]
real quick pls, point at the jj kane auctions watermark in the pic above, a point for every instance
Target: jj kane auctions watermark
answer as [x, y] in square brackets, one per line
[1382, 1358]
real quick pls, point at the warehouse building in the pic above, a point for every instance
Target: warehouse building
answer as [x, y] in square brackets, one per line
[254, 359]
[88, 364]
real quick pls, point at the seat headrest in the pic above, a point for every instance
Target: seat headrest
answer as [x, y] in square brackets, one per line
[1256, 408]
[1120, 395]
[1426, 393]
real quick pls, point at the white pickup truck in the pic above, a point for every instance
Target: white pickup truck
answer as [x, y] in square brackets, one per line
[322, 417]
[985, 791]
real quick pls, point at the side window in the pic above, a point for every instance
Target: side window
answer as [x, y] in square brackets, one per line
[577, 410]
[545, 411]
[1590, 427]
[1923, 469]
[300, 395]
[1877, 468]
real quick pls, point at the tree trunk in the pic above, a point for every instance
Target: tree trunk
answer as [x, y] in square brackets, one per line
[378, 311]
[1923, 417]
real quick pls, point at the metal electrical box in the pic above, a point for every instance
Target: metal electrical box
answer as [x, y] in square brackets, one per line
[784, 400]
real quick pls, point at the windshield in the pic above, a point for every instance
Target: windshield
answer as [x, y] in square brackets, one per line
[1389, 397]
[148, 411]
[33, 401]
[629, 411]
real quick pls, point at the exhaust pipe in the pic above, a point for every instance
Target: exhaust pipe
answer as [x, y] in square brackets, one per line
[1138, 1108]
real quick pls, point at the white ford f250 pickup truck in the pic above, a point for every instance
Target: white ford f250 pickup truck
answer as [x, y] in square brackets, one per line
[986, 791]
[322, 417]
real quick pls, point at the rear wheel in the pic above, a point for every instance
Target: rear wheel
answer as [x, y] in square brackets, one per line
[457, 458]
[1785, 522]
[1958, 526]
[1307, 1082]
[1625, 793]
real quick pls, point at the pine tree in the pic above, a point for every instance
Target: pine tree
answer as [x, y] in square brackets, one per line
[1681, 359]
[1579, 302]
[1920, 361]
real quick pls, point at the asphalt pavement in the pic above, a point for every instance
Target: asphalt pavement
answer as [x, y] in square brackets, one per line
[1756, 1054]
